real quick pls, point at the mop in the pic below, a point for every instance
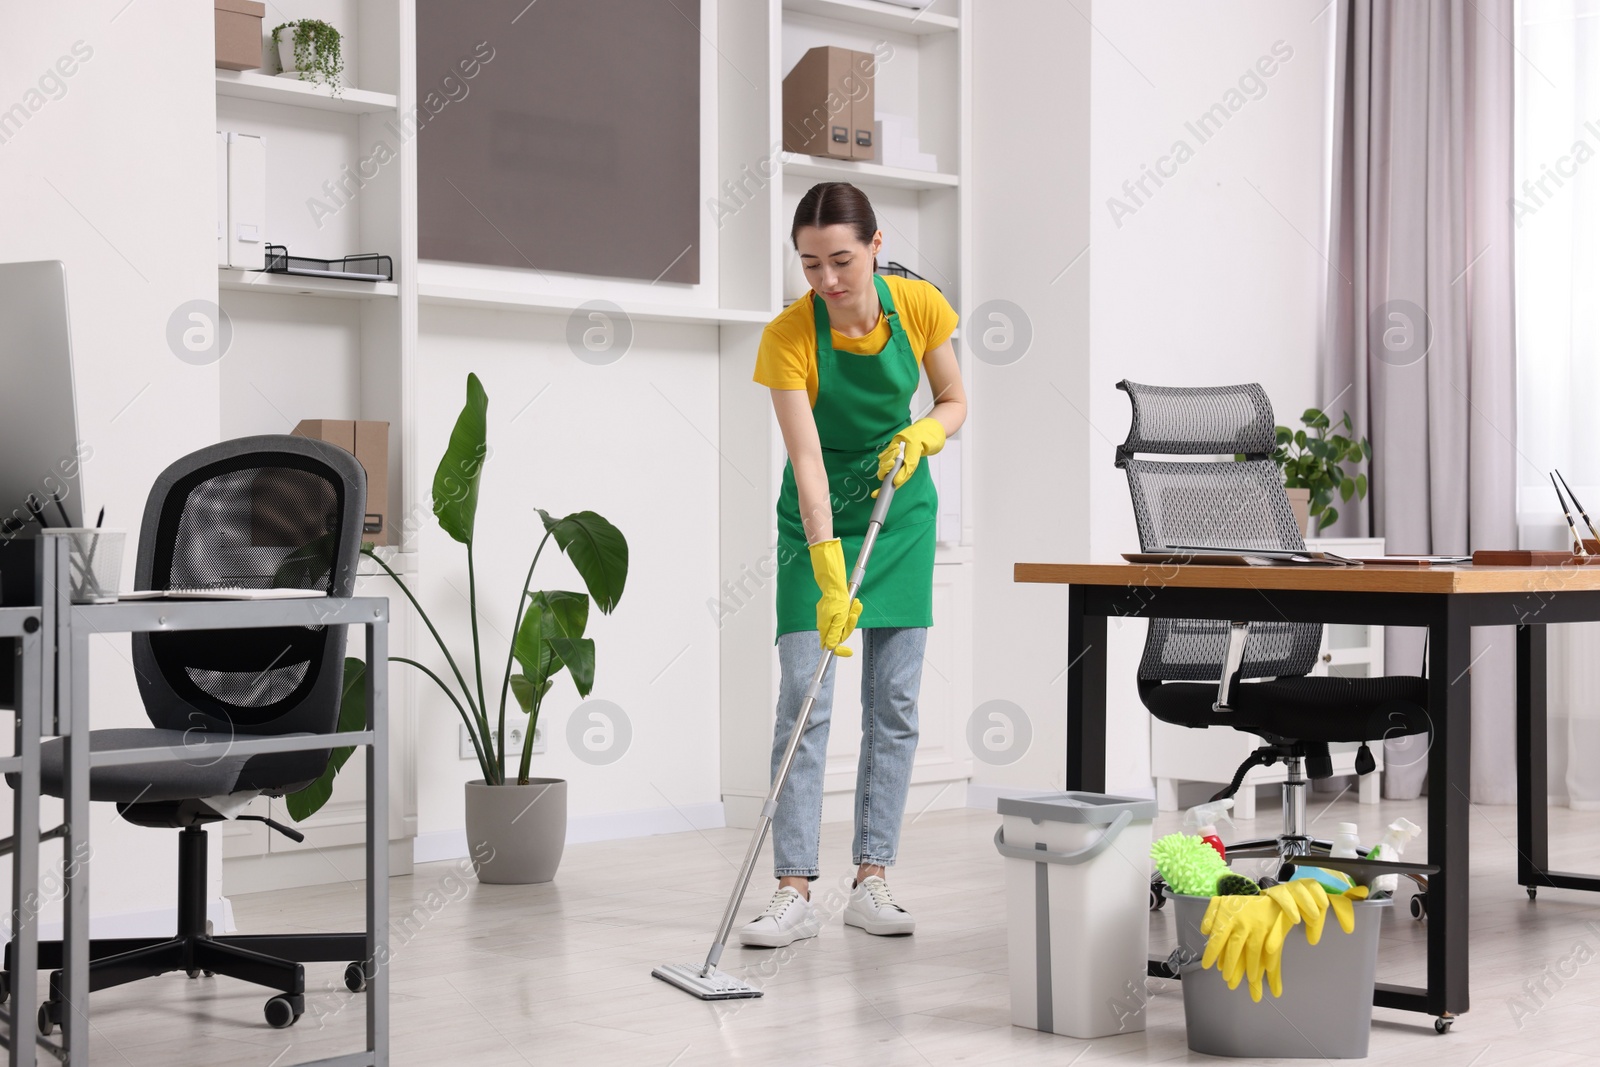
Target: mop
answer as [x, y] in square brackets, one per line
[704, 980]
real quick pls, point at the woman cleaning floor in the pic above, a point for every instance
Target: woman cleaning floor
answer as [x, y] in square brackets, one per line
[842, 364]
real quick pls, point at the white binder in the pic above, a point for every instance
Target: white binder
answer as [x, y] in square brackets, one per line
[247, 201]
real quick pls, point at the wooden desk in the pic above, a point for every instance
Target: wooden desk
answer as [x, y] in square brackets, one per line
[1448, 601]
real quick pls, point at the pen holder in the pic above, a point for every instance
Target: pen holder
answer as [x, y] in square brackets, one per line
[94, 557]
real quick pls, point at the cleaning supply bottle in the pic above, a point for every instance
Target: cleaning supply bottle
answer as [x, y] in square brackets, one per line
[1346, 841]
[1400, 834]
[1202, 820]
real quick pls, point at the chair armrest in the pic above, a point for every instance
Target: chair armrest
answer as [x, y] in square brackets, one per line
[1237, 632]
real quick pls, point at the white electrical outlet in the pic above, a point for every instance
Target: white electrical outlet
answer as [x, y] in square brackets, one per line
[513, 743]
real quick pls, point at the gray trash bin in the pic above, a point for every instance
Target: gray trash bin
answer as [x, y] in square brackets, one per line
[1326, 1007]
[1077, 911]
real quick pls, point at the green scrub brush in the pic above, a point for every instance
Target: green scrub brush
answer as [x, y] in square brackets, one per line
[1191, 867]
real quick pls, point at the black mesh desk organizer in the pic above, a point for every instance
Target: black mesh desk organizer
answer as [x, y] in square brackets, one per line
[258, 512]
[1215, 500]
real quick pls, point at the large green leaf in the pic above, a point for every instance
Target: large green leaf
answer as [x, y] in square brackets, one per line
[455, 483]
[352, 717]
[525, 692]
[578, 654]
[530, 648]
[597, 549]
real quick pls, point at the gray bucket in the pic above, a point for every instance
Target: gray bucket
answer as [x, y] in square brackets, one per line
[1326, 1008]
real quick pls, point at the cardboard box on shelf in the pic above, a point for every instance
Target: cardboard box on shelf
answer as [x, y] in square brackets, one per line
[369, 443]
[239, 34]
[828, 104]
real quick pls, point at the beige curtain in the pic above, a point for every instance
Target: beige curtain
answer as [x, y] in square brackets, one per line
[1420, 302]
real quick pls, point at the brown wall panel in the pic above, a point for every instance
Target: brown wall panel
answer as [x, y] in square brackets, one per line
[575, 143]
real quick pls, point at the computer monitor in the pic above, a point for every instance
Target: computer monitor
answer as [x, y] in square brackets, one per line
[40, 455]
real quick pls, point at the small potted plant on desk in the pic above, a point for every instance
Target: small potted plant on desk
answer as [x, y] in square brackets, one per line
[1312, 461]
[516, 823]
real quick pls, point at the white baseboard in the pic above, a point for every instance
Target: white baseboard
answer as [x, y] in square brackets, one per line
[157, 922]
[612, 826]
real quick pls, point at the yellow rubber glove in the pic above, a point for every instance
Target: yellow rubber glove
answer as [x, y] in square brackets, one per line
[1246, 937]
[1306, 900]
[1344, 910]
[922, 438]
[836, 613]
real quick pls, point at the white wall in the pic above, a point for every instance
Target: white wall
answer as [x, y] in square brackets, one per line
[1215, 276]
[634, 440]
[96, 176]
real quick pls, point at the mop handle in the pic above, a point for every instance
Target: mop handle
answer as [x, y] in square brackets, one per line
[879, 512]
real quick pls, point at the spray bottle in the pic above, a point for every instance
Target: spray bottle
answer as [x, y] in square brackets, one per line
[1399, 835]
[1202, 820]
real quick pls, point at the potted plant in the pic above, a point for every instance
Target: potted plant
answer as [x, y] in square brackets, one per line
[310, 50]
[1312, 461]
[516, 823]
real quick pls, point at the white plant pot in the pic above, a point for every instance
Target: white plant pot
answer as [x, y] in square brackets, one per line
[286, 58]
[286, 51]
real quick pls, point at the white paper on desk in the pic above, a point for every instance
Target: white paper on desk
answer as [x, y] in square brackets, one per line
[232, 805]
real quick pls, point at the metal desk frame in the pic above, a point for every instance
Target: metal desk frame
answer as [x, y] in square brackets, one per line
[1449, 619]
[26, 626]
[64, 695]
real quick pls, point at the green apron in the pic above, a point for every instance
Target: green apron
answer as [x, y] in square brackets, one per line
[862, 402]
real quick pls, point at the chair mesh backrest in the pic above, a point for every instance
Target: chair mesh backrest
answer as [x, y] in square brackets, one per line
[264, 512]
[1213, 502]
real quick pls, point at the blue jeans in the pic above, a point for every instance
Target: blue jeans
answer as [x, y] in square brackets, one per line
[891, 675]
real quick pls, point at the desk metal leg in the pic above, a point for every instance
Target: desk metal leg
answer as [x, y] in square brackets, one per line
[1533, 788]
[25, 902]
[1449, 808]
[378, 841]
[75, 911]
[1086, 696]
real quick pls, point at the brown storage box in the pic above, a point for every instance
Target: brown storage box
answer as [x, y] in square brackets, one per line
[828, 106]
[239, 34]
[369, 443]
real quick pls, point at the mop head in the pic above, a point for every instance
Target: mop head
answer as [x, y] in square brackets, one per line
[714, 986]
[1191, 867]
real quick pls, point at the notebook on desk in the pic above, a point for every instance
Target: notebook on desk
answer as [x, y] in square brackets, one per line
[1232, 556]
[221, 593]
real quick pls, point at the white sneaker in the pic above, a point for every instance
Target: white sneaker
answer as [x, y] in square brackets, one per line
[873, 909]
[789, 918]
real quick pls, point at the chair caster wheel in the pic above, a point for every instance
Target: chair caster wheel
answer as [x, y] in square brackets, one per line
[284, 1010]
[1533, 892]
[355, 977]
[1419, 909]
[1158, 896]
[47, 1019]
[1442, 1026]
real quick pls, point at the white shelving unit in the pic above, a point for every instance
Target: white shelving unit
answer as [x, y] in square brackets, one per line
[839, 170]
[295, 285]
[1179, 754]
[320, 348]
[923, 72]
[310, 348]
[250, 85]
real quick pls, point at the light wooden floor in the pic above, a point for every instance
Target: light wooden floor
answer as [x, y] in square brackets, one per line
[560, 973]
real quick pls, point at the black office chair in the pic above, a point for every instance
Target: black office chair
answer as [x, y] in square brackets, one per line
[258, 512]
[1196, 672]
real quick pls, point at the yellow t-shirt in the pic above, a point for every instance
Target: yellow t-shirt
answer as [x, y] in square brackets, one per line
[787, 355]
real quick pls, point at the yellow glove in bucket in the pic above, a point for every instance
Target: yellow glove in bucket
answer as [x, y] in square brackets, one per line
[922, 438]
[1246, 940]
